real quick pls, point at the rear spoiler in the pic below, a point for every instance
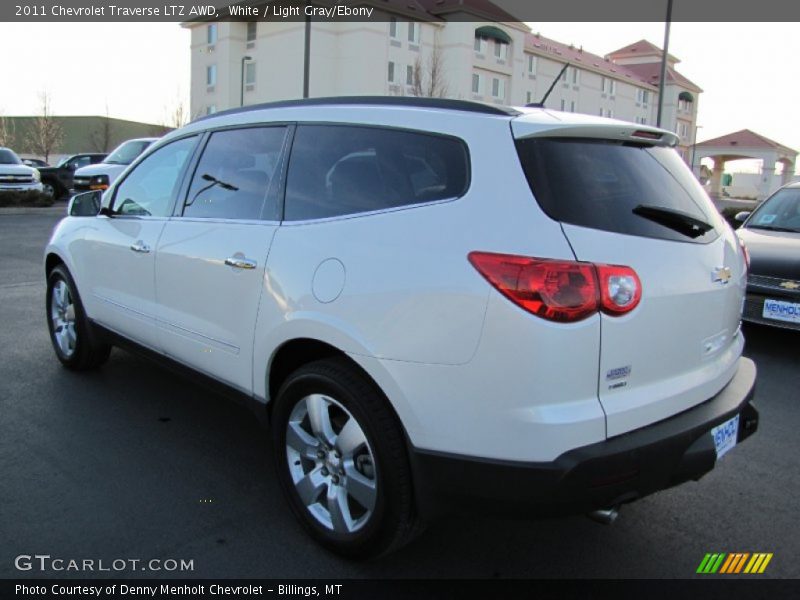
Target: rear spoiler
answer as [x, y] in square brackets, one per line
[547, 124]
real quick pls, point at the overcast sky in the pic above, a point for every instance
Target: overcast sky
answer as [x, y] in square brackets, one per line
[747, 70]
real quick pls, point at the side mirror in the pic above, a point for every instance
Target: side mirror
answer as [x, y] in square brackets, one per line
[85, 205]
[742, 216]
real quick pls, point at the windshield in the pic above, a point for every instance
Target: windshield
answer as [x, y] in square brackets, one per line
[127, 152]
[7, 157]
[629, 188]
[781, 212]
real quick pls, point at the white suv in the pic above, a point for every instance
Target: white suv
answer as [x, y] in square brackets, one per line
[438, 305]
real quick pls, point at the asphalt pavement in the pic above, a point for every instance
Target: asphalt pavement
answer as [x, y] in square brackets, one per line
[135, 462]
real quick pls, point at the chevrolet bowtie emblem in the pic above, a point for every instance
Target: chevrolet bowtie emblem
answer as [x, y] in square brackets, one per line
[721, 275]
[789, 285]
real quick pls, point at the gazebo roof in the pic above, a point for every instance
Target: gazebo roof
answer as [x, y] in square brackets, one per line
[746, 139]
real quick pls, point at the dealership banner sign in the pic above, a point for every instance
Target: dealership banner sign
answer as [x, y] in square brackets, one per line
[381, 10]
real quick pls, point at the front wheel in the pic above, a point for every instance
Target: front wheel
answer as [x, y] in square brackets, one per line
[341, 460]
[71, 334]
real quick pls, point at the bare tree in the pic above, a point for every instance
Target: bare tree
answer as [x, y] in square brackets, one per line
[47, 133]
[100, 138]
[429, 80]
[175, 116]
[6, 132]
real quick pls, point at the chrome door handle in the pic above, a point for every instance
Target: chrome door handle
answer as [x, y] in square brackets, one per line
[239, 262]
[141, 247]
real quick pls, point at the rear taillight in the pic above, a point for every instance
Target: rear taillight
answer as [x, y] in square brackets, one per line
[745, 253]
[560, 290]
[620, 289]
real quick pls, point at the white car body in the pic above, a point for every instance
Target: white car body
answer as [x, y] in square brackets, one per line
[17, 177]
[101, 175]
[467, 372]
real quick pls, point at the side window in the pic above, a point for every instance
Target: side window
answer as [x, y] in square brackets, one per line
[80, 161]
[338, 170]
[151, 187]
[234, 177]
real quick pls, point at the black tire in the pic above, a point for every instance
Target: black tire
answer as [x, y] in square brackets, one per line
[87, 351]
[392, 522]
[52, 189]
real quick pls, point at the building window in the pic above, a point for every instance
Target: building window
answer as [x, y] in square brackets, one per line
[413, 32]
[391, 72]
[250, 73]
[211, 75]
[612, 87]
[572, 106]
[252, 28]
[211, 33]
[393, 27]
[498, 88]
[531, 64]
[500, 50]
[642, 96]
[480, 44]
[575, 76]
[563, 105]
[609, 113]
[409, 75]
[601, 111]
[476, 83]
[211, 109]
[527, 98]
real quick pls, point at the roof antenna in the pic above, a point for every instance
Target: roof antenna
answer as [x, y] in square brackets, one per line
[541, 102]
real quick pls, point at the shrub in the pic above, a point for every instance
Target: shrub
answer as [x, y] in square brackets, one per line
[729, 212]
[25, 199]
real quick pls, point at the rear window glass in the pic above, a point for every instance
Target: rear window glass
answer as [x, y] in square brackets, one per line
[339, 170]
[617, 186]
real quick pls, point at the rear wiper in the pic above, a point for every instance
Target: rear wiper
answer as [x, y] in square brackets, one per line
[674, 219]
[769, 228]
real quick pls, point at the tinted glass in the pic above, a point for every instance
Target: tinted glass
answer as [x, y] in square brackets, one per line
[7, 157]
[780, 212]
[234, 178]
[127, 152]
[599, 183]
[152, 185]
[80, 161]
[339, 170]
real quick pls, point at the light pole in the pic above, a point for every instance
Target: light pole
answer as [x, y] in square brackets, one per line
[663, 86]
[694, 149]
[306, 56]
[244, 60]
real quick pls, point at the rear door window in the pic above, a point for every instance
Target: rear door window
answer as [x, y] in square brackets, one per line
[236, 177]
[339, 170]
[622, 187]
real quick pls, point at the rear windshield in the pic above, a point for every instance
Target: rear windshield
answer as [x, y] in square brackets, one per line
[615, 186]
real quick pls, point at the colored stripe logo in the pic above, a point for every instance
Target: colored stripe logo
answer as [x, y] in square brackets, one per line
[734, 563]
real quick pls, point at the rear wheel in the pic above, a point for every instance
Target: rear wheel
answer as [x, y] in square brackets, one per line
[48, 189]
[74, 342]
[341, 460]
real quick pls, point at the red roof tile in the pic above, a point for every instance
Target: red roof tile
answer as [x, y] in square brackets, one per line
[581, 58]
[640, 48]
[482, 8]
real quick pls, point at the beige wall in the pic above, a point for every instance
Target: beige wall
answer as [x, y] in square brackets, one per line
[353, 58]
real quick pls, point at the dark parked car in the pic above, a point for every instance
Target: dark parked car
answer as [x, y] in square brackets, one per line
[772, 236]
[57, 180]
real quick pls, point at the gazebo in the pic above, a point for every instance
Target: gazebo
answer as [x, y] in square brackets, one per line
[747, 144]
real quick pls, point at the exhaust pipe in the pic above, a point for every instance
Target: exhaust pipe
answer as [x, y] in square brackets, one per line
[606, 516]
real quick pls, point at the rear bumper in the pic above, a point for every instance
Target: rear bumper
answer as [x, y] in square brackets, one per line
[601, 475]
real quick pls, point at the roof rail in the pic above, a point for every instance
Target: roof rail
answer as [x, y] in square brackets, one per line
[413, 102]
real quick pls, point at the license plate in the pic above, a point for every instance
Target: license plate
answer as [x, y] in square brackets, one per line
[778, 310]
[725, 435]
